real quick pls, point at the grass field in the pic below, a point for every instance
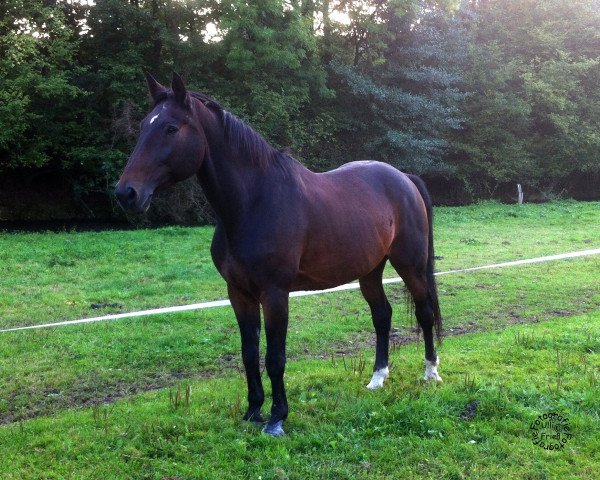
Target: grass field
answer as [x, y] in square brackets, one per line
[58, 276]
[338, 429]
[532, 347]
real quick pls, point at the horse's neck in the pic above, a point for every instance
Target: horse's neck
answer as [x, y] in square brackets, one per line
[234, 183]
[229, 181]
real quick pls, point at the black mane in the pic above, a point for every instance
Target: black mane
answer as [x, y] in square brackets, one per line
[241, 136]
[244, 138]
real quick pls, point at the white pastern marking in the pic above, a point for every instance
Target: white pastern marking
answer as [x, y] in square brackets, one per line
[378, 377]
[431, 372]
[154, 118]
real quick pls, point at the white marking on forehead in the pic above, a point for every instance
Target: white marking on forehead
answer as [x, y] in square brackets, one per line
[154, 118]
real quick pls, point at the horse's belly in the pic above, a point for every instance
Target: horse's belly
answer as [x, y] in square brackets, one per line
[312, 281]
[329, 263]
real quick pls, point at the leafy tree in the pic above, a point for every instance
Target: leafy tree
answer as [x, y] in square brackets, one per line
[270, 71]
[486, 92]
[409, 94]
[534, 77]
[39, 97]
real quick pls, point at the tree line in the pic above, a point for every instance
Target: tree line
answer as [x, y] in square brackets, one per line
[476, 94]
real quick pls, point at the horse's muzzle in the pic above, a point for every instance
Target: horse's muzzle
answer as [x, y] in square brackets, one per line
[131, 200]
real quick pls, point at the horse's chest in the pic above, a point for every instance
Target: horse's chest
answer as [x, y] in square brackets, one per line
[251, 269]
[230, 269]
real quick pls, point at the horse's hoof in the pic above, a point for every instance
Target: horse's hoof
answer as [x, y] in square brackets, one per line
[432, 377]
[431, 372]
[274, 429]
[378, 377]
[254, 417]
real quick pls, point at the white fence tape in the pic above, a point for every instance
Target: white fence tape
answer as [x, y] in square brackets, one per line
[349, 286]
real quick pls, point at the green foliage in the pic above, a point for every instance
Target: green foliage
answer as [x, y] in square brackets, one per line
[273, 70]
[411, 93]
[488, 93]
[534, 73]
[39, 97]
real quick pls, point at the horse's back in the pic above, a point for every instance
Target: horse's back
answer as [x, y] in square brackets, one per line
[374, 189]
[374, 177]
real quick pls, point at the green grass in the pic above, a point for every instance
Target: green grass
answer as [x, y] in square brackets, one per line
[58, 276]
[338, 429]
[46, 370]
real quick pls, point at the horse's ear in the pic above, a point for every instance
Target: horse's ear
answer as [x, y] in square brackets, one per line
[155, 88]
[179, 90]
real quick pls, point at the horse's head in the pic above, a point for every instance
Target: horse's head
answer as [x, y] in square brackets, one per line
[170, 148]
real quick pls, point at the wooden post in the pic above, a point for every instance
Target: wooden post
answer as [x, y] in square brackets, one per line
[520, 192]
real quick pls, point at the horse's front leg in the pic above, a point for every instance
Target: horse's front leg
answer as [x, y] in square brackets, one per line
[275, 308]
[247, 312]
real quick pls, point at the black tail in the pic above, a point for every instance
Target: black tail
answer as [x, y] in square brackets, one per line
[433, 296]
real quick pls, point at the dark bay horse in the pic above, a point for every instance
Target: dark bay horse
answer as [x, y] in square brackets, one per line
[281, 227]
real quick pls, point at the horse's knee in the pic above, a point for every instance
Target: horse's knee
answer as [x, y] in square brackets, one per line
[250, 353]
[275, 365]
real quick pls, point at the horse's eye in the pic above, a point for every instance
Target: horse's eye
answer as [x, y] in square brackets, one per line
[171, 129]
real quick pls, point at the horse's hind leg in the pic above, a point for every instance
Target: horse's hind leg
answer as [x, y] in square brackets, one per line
[416, 282]
[372, 290]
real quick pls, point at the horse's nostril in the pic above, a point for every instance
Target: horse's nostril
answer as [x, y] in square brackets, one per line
[130, 194]
[127, 196]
